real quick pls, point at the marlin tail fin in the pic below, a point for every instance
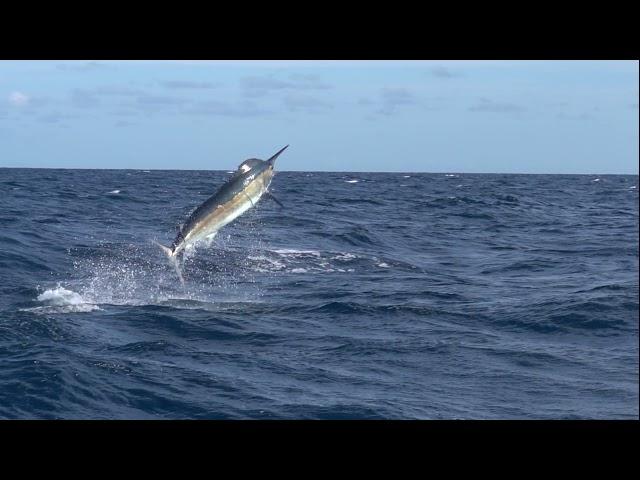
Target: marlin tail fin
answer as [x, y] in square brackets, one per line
[173, 259]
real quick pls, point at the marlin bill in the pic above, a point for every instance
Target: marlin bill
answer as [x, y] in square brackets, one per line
[249, 183]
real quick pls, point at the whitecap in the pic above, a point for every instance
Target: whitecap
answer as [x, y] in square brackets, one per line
[407, 176]
[114, 192]
[61, 300]
[60, 296]
[289, 251]
[383, 265]
[351, 181]
[298, 270]
[345, 256]
[595, 180]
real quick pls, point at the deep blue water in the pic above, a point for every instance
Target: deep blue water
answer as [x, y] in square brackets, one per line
[397, 296]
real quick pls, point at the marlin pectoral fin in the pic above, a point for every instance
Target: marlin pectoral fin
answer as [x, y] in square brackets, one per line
[270, 195]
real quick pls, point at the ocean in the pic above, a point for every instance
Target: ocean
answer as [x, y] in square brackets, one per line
[369, 296]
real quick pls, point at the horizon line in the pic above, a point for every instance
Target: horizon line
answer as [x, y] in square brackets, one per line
[321, 171]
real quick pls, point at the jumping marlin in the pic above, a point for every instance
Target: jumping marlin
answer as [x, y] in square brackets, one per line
[241, 192]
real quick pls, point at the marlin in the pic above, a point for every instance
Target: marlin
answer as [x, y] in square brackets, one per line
[248, 184]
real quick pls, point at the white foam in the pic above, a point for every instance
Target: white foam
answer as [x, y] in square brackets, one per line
[595, 180]
[632, 188]
[114, 191]
[61, 300]
[298, 270]
[383, 265]
[274, 264]
[289, 251]
[351, 181]
[451, 175]
[407, 176]
[345, 256]
[60, 296]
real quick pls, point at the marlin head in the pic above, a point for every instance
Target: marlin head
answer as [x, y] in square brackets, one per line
[257, 166]
[254, 168]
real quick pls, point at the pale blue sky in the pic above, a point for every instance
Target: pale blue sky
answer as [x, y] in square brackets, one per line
[429, 116]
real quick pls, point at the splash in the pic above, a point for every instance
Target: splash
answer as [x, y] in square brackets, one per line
[138, 275]
[62, 300]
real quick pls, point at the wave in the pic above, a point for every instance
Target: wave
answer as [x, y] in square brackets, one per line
[340, 304]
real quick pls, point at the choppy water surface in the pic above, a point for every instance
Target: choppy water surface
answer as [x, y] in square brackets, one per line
[369, 296]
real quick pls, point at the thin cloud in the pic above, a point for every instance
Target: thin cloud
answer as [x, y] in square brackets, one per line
[257, 86]
[392, 98]
[308, 82]
[18, 99]
[188, 85]
[568, 116]
[305, 103]
[82, 98]
[124, 113]
[442, 72]
[220, 108]
[89, 98]
[489, 106]
[80, 67]
[117, 91]
[53, 117]
[27, 104]
[159, 100]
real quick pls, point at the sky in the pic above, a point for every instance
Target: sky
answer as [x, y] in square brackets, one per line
[396, 116]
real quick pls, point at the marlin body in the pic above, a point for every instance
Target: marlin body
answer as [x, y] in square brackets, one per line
[241, 192]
